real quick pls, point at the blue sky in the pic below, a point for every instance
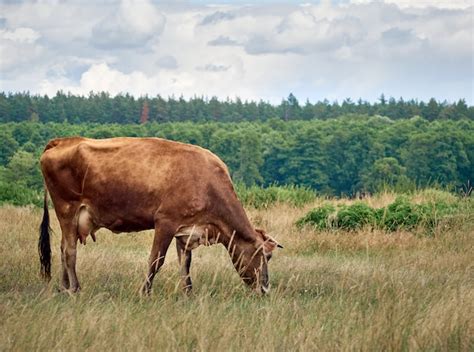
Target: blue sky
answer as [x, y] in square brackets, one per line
[255, 50]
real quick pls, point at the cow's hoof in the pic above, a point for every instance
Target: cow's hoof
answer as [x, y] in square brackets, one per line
[69, 291]
[74, 290]
[62, 289]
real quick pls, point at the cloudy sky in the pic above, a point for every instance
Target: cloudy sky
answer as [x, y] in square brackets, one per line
[254, 50]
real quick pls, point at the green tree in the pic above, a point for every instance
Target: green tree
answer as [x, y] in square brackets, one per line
[23, 169]
[8, 146]
[250, 159]
[306, 162]
[462, 110]
[432, 110]
[434, 157]
[293, 108]
[386, 171]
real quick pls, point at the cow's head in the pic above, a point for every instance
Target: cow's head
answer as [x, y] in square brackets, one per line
[253, 261]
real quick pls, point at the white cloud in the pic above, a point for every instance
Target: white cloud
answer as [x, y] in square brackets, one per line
[20, 35]
[213, 68]
[441, 4]
[167, 62]
[101, 77]
[17, 47]
[414, 49]
[301, 32]
[135, 23]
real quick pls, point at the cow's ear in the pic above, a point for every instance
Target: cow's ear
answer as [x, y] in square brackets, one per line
[269, 242]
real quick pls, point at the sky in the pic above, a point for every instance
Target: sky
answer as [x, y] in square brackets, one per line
[253, 50]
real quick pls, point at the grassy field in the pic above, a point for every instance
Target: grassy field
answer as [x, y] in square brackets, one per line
[331, 290]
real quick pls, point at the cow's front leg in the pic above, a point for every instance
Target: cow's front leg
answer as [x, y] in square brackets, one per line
[184, 258]
[161, 242]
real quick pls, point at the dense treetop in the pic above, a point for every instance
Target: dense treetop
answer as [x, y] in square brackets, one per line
[126, 109]
[338, 156]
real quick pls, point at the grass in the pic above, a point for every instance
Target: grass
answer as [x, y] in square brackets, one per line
[331, 290]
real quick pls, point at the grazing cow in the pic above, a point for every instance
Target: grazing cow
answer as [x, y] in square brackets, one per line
[135, 184]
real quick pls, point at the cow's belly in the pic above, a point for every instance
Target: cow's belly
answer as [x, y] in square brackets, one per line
[120, 218]
[127, 225]
[122, 210]
[90, 219]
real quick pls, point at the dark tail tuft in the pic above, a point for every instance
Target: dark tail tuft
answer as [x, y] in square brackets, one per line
[44, 245]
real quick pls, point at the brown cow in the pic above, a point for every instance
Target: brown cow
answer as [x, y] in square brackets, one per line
[135, 184]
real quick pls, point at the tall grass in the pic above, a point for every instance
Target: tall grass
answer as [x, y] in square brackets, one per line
[363, 290]
[258, 197]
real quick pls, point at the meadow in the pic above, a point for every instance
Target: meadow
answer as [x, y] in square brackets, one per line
[332, 289]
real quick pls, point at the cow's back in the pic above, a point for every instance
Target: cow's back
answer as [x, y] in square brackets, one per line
[131, 178]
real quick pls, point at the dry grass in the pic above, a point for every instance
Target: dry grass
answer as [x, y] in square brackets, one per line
[365, 290]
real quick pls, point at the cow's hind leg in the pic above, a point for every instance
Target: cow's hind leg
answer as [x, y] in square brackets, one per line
[164, 232]
[68, 255]
[64, 275]
[184, 258]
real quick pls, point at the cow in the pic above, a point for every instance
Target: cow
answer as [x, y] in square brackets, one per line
[126, 184]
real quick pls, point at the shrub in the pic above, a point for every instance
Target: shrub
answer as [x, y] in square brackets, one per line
[320, 217]
[401, 214]
[17, 194]
[355, 216]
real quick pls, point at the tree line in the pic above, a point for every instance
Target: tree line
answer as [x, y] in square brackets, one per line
[354, 153]
[126, 109]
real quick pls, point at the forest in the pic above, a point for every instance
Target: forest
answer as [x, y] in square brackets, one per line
[336, 157]
[126, 109]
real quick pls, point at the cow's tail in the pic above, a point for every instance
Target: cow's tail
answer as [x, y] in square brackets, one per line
[44, 244]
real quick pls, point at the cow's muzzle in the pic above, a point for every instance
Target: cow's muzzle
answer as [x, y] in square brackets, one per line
[264, 289]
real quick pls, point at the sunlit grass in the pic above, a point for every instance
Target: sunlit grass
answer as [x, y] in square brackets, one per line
[331, 290]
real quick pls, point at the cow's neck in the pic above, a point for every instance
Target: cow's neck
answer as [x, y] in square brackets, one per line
[241, 251]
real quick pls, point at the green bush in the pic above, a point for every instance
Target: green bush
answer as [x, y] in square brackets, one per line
[320, 217]
[355, 216]
[401, 214]
[17, 194]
